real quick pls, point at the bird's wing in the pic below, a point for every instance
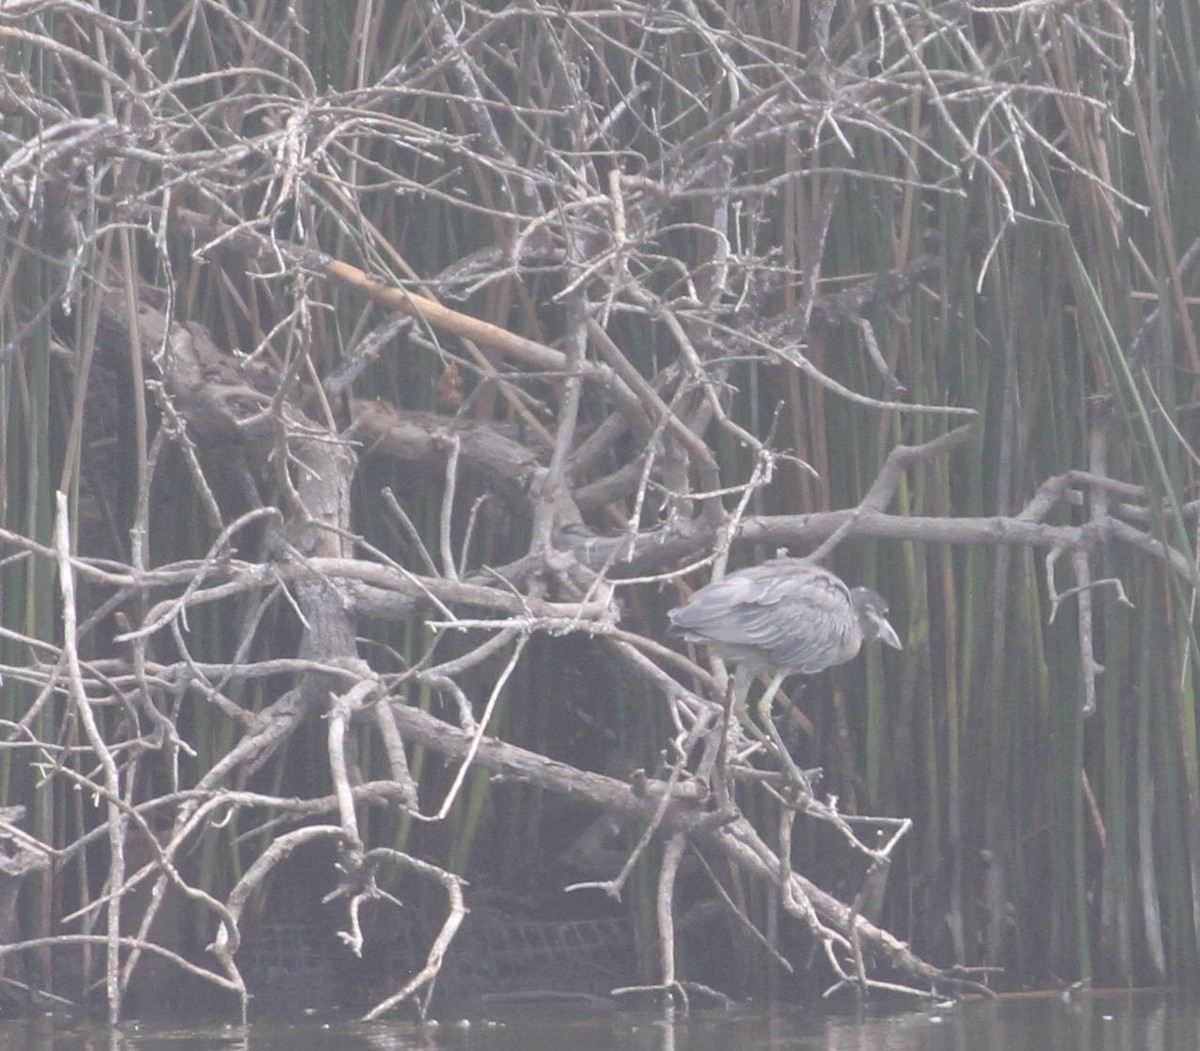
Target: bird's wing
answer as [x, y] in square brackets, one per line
[712, 610]
[811, 622]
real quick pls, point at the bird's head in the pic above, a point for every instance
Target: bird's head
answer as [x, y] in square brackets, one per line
[872, 612]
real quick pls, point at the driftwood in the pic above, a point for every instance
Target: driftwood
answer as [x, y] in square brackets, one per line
[272, 445]
[567, 586]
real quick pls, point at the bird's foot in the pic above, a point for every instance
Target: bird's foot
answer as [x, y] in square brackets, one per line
[798, 780]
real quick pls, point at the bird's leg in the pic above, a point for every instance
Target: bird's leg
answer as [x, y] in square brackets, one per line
[795, 775]
[740, 683]
[743, 678]
[739, 688]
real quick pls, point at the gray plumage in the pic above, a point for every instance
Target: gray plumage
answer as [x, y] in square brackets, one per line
[784, 616]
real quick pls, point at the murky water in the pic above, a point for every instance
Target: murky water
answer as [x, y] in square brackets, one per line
[1112, 1022]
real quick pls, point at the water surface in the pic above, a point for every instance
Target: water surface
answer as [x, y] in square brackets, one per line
[1108, 1021]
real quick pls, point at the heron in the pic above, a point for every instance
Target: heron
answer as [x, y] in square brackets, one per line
[787, 616]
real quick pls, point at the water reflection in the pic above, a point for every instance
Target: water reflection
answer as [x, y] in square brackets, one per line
[1112, 1022]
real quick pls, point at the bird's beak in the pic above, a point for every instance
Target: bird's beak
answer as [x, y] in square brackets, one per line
[888, 634]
